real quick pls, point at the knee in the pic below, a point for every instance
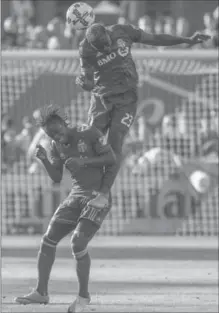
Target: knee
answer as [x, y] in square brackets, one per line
[79, 244]
[47, 246]
[49, 240]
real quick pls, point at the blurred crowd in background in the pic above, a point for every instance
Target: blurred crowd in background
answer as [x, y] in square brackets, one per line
[20, 146]
[22, 27]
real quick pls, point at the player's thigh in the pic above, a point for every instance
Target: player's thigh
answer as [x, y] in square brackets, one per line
[89, 223]
[99, 114]
[56, 231]
[68, 211]
[124, 111]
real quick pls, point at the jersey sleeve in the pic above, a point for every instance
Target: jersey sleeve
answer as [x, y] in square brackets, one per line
[99, 142]
[134, 33]
[54, 156]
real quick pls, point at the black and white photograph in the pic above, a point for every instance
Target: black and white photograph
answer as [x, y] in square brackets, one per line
[109, 156]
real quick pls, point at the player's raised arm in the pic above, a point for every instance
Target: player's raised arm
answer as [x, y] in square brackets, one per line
[170, 40]
[140, 36]
[54, 166]
[86, 77]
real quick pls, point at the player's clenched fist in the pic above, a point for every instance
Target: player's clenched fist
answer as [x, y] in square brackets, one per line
[40, 152]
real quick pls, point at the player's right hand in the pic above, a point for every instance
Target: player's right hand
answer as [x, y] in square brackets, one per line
[40, 152]
[198, 38]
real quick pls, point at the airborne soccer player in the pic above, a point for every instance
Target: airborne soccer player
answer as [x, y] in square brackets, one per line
[108, 70]
[83, 152]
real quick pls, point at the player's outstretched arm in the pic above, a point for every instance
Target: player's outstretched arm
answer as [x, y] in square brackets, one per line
[170, 40]
[54, 169]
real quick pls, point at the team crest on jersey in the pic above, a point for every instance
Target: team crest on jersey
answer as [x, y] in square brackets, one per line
[121, 43]
[123, 49]
[82, 147]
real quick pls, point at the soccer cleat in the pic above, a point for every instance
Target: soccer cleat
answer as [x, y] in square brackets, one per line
[101, 201]
[32, 297]
[79, 304]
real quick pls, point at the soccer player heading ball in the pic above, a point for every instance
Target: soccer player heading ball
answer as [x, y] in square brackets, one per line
[83, 152]
[108, 70]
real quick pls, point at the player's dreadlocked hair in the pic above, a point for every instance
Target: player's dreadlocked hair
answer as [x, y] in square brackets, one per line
[49, 114]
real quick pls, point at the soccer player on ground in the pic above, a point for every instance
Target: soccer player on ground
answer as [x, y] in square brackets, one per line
[83, 152]
[108, 70]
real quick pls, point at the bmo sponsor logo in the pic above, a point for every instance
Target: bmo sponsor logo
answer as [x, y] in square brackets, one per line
[107, 59]
[122, 50]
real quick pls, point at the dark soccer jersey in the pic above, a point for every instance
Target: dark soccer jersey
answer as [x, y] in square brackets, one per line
[115, 72]
[86, 142]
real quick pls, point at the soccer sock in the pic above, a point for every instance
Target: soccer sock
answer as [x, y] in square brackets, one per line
[46, 258]
[83, 263]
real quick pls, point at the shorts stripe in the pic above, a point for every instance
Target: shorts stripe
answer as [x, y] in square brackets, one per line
[92, 214]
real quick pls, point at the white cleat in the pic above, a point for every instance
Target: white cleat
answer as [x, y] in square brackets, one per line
[32, 297]
[79, 305]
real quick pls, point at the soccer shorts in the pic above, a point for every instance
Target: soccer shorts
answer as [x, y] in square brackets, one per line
[115, 111]
[74, 208]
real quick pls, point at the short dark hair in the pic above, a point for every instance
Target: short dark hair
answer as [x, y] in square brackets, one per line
[94, 32]
[50, 114]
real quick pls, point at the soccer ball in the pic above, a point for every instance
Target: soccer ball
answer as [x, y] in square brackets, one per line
[80, 15]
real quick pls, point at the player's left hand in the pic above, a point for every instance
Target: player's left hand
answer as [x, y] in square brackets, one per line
[100, 202]
[74, 164]
[198, 38]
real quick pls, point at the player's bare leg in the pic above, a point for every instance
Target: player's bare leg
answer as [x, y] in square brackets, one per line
[46, 258]
[83, 233]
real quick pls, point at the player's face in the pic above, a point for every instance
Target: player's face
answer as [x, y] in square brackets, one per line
[104, 43]
[58, 132]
